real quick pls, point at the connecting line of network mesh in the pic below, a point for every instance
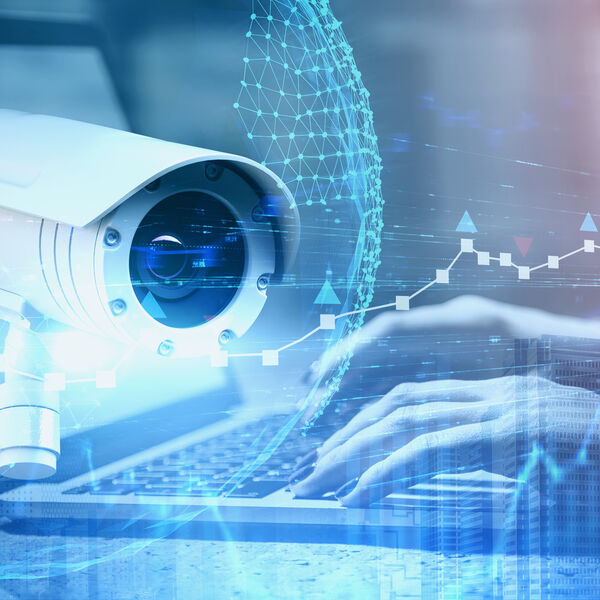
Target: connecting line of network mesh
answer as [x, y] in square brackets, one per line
[57, 381]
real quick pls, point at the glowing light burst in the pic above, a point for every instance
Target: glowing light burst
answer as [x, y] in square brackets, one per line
[306, 112]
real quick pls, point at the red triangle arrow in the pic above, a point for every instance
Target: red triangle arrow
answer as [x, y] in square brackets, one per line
[523, 244]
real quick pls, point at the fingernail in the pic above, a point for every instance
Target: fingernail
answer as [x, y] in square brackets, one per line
[307, 459]
[301, 474]
[346, 488]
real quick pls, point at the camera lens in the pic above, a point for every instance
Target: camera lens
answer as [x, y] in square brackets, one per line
[166, 256]
[187, 259]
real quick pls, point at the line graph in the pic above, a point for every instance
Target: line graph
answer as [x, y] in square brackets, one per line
[442, 278]
[270, 357]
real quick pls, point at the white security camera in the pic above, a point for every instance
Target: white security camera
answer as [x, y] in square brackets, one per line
[158, 244]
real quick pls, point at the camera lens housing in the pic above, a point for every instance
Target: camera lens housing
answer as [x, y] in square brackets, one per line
[187, 259]
[162, 245]
[190, 255]
[175, 264]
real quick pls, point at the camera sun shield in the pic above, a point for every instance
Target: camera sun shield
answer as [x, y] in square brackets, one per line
[160, 244]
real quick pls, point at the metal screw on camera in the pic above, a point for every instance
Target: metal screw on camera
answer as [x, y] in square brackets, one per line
[118, 307]
[166, 347]
[213, 171]
[112, 238]
[225, 337]
[262, 282]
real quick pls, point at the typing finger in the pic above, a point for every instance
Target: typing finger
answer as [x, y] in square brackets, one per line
[405, 394]
[417, 460]
[379, 440]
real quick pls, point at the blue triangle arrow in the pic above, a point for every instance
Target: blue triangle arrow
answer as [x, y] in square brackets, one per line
[327, 295]
[466, 224]
[588, 224]
[152, 307]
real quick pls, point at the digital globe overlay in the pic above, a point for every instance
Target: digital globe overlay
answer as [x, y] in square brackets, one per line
[305, 110]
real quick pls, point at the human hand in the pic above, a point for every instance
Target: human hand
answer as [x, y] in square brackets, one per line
[467, 338]
[395, 443]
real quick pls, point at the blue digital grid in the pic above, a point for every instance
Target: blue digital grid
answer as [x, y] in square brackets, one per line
[306, 112]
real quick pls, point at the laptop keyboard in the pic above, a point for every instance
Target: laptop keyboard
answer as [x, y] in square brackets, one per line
[212, 468]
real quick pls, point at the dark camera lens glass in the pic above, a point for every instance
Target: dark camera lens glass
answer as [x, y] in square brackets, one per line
[166, 256]
[187, 259]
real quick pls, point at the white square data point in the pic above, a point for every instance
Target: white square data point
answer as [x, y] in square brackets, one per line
[553, 262]
[402, 302]
[442, 276]
[327, 322]
[523, 272]
[219, 359]
[106, 379]
[55, 382]
[466, 245]
[483, 258]
[270, 358]
[588, 245]
[505, 259]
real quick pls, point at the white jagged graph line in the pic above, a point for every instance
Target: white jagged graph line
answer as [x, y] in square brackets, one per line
[466, 248]
[58, 381]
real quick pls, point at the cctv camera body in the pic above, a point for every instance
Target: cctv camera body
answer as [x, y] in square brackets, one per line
[162, 245]
[77, 202]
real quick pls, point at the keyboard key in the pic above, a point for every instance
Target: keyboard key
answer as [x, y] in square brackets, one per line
[111, 488]
[256, 489]
[205, 468]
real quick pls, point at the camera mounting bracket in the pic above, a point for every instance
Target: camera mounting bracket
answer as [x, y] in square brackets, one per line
[29, 413]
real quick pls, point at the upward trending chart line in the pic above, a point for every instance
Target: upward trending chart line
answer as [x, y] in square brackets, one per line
[107, 379]
[442, 277]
